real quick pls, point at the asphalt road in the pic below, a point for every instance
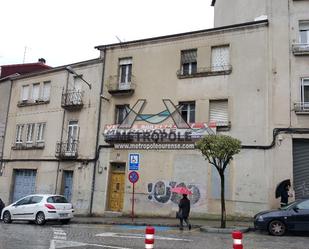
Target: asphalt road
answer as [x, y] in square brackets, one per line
[53, 235]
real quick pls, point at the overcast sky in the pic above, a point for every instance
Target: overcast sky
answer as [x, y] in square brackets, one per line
[66, 31]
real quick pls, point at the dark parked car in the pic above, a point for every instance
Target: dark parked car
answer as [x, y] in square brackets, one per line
[294, 217]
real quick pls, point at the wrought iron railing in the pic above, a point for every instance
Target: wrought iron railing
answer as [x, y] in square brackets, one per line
[67, 149]
[206, 71]
[300, 48]
[301, 107]
[72, 98]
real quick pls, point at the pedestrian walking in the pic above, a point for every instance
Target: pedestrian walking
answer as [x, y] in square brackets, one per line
[285, 196]
[184, 211]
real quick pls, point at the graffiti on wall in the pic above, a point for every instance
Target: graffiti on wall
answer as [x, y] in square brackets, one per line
[160, 192]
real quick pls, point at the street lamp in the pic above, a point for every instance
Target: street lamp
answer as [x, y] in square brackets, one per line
[71, 70]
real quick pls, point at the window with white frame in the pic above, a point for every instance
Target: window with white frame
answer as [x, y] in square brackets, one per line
[19, 133]
[40, 132]
[220, 58]
[46, 90]
[188, 61]
[35, 91]
[25, 93]
[305, 92]
[187, 111]
[121, 113]
[30, 131]
[218, 112]
[304, 32]
[125, 70]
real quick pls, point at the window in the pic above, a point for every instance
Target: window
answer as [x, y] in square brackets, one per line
[40, 132]
[46, 90]
[303, 205]
[24, 201]
[57, 199]
[125, 70]
[25, 93]
[218, 112]
[304, 32]
[19, 133]
[35, 199]
[30, 131]
[35, 91]
[220, 58]
[187, 111]
[121, 113]
[188, 62]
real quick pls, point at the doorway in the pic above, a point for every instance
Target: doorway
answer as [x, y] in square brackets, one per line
[116, 187]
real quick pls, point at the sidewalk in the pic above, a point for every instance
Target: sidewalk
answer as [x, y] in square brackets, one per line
[160, 221]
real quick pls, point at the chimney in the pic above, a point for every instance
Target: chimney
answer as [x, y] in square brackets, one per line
[42, 60]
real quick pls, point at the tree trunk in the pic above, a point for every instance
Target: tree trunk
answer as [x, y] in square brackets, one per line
[223, 212]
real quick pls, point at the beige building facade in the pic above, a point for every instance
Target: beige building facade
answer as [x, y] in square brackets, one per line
[51, 136]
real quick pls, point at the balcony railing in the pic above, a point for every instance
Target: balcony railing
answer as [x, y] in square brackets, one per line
[206, 71]
[72, 100]
[117, 88]
[67, 149]
[301, 107]
[39, 145]
[300, 49]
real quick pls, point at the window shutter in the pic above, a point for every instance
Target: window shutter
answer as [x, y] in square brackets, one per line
[188, 56]
[219, 112]
[25, 93]
[46, 91]
[220, 58]
[126, 61]
[304, 25]
[35, 91]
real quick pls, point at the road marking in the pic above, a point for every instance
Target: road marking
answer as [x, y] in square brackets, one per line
[137, 236]
[66, 244]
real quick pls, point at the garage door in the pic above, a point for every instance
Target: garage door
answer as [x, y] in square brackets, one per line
[24, 183]
[301, 167]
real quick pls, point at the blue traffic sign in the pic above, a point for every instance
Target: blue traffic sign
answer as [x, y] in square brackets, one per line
[134, 161]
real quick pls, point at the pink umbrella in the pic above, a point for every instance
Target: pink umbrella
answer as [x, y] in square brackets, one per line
[181, 190]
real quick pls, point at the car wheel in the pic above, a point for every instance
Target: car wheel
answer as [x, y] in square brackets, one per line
[276, 228]
[40, 218]
[7, 217]
[66, 221]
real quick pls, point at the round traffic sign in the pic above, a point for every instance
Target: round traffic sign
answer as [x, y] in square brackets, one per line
[133, 176]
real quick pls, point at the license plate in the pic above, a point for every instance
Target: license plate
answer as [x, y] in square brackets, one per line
[63, 215]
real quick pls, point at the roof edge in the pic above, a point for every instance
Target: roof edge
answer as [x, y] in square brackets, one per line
[59, 68]
[233, 26]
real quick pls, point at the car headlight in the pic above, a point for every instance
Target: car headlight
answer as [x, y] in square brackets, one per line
[260, 218]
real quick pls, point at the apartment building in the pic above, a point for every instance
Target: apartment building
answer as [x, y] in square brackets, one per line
[50, 143]
[174, 84]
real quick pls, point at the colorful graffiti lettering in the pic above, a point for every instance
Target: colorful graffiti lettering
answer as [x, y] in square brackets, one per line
[161, 192]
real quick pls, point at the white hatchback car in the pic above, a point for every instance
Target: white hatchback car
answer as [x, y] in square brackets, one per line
[39, 208]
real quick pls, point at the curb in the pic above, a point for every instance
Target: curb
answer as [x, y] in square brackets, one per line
[228, 230]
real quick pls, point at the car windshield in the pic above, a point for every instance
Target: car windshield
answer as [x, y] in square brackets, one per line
[288, 206]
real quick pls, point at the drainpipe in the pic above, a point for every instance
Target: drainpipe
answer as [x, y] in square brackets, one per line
[5, 127]
[97, 148]
[62, 127]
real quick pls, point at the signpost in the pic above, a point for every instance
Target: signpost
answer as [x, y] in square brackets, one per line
[133, 178]
[134, 161]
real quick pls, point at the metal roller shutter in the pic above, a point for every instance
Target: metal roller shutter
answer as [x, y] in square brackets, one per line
[301, 167]
[218, 112]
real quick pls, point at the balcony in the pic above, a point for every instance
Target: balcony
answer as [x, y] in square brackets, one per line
[300, 49]
[67, 149]
[72, 100]
[39, 145]
[116, 88]
[301, 107]
[206, 72]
